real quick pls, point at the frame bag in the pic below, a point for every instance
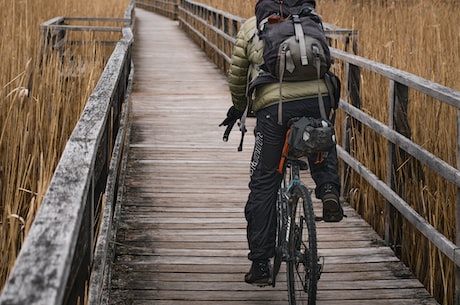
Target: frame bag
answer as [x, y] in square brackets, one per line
[309, 137]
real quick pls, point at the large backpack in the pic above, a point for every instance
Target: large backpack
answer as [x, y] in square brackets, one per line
[295, 45]
[295, 49]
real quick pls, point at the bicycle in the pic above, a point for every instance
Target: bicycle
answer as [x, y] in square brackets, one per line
[296, 243]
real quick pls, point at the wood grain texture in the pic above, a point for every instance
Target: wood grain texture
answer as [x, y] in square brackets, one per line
[182, 234]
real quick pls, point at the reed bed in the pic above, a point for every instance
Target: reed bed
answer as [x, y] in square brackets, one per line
[42, 98]
[421, 37]
[418, 37]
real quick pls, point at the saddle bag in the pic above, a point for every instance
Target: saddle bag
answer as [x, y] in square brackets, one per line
[309, 136]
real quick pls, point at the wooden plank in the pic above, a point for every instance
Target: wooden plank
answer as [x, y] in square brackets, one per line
[182, 234]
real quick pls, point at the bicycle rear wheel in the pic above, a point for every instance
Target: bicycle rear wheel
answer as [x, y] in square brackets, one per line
[303, 270]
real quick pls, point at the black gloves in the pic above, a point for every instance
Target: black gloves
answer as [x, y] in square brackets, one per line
[233, 114]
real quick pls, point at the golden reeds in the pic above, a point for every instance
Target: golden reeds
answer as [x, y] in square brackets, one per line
[41, 104]
[420, 38]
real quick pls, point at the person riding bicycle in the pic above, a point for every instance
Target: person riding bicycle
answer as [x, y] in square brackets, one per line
[299, 99]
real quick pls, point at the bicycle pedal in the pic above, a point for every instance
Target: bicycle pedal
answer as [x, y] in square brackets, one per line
[286, 258]
[320, 266]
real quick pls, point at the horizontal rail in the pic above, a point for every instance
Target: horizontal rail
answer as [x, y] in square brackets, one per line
[59, 24]
[104, 19]
[86, 28]
[53, 266]
[55, 31]
[203, 37]
[166, 8]
[444, 169]
[439, 240]
[447, 171]
[215, 32]
[437, 91]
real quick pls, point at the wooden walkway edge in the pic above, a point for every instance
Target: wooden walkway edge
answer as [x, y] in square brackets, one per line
[182, 234]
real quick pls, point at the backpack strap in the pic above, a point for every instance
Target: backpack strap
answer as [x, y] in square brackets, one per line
[281, 72]
[300, 38]
[287, 62]
[322, 108]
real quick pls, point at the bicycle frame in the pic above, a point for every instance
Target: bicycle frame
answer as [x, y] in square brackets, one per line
[291, 177]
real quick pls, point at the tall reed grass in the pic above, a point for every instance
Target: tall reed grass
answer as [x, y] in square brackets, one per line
[421, 37]
[418, 37]
[41, 102]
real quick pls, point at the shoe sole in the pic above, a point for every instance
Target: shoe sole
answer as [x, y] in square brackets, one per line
[261, 283]
[332, 211]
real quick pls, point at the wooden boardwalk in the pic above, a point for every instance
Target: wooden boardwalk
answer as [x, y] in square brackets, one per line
[181, 236]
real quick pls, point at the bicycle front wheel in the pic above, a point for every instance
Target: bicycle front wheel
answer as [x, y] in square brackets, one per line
[302, 267]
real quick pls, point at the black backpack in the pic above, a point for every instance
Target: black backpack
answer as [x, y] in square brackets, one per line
[295, 45]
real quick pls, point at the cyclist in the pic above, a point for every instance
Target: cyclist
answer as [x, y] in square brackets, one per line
[299, 99]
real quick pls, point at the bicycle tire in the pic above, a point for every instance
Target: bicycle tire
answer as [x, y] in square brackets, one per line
[303, 268]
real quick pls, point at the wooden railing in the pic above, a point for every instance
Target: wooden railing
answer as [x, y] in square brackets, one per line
[55, 33]
[215, 31]
[166, 8]
[60, 257]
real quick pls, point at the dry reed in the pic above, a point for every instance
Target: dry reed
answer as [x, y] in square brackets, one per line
[411, 41]
[41, 104]
[418, 36]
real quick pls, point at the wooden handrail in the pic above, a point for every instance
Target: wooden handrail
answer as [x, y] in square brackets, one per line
[53, 266]
[215, 30]
[166, 8]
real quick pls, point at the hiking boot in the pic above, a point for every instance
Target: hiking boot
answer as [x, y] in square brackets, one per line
[332, 210]
[259, 274]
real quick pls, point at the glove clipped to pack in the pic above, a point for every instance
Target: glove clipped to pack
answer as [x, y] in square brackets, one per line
[233, 115]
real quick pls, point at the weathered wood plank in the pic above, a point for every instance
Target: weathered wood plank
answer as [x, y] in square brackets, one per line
[182, 235]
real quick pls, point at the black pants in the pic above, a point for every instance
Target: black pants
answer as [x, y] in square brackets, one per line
[260, 210]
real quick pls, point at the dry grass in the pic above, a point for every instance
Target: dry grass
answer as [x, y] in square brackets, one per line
[40, 108]
[418, 36]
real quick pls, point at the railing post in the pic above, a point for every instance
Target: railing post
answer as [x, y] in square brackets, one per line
[176, 10]
[353, 85]
[457, 268]
[389, 211]
[397, 120]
